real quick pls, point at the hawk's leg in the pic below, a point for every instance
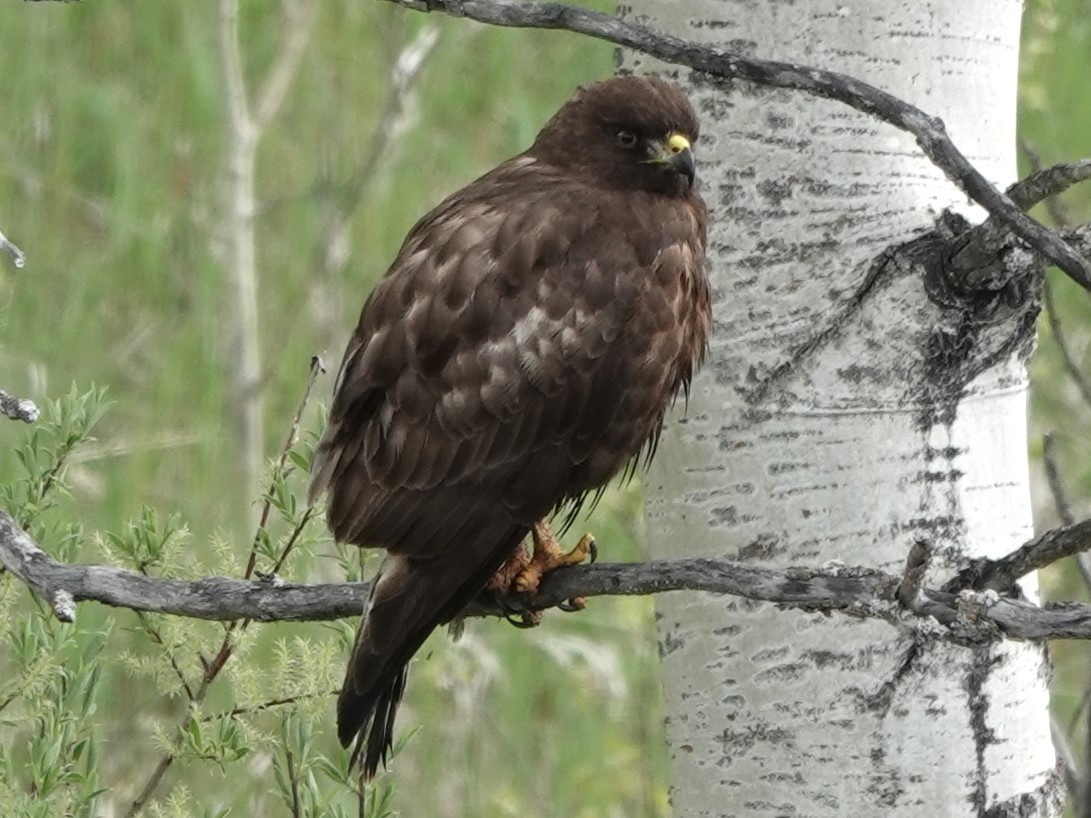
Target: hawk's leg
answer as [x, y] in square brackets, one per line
[548, 556]
[523, 571]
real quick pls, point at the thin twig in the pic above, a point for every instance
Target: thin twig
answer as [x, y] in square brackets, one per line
[298, 26]
[269, 705]
[156, 637]
[293, 539]
[150, 785]
[1060, 499]
[223, 654]
[1053, 478]
[929, 131]
[293, 781]
[1056, 333]
[1067, 760]
[14, 253]
[317, 367]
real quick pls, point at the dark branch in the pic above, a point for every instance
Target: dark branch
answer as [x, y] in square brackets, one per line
[1045, 549]
[975, 264]
[929, 131]
[969, 616]
[1042, 184]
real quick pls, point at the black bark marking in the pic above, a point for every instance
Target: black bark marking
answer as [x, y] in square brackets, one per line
[881, 701]
[980, 667]
[842, 319]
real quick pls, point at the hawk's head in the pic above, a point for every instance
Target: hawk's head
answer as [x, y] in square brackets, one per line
[630, 132]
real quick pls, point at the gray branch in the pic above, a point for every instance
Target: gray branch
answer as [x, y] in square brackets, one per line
[1045, 549]
[929, 131]
[18, 408]
[967, 616]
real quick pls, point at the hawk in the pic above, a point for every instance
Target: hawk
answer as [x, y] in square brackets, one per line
[521, 350]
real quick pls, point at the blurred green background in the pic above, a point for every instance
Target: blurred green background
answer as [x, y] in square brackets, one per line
[114, 135]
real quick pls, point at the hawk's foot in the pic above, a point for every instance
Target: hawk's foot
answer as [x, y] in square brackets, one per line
[503, 580]
[548, 556]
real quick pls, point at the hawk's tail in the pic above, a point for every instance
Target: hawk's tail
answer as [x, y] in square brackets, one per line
[399, 614]
[375, 743]
[409, 599]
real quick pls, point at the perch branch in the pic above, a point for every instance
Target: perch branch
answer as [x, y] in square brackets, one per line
[853, 591]
[929, 131]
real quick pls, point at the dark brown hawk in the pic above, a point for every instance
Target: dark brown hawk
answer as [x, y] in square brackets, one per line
[521, 350]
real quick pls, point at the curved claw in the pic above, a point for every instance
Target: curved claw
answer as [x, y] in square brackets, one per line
[572, 605]
[524, 619]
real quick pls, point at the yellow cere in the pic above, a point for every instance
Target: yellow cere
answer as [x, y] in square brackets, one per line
[677, 143]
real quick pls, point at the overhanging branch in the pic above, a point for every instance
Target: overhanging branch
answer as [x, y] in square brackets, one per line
[928, 130]
[859, 592]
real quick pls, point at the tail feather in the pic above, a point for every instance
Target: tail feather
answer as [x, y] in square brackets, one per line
[409, 599]
[375, 742]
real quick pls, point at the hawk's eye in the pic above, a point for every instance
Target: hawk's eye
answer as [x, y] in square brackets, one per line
[625, 139]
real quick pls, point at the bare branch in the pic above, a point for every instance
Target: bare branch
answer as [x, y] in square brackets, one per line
[16, 255]
[856, 592]
[238, 233]
[1057, 333]
[1043, 550]
[238, 109]
[18, 408]
[300, 23]
[929, 131]
[1056, 209]
[1066, 759]
[1053, 478]
[405, 69]
[1042, 184]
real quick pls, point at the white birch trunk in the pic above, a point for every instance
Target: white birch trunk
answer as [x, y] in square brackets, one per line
[848, 456]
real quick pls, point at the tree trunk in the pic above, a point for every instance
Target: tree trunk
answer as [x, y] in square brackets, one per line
[843, 416]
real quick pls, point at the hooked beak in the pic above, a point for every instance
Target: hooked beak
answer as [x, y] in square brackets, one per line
[677, 153]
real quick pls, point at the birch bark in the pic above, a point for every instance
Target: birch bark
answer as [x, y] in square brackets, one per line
[863, 445]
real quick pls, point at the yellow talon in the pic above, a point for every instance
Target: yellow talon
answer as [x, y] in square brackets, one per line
[548, 556]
